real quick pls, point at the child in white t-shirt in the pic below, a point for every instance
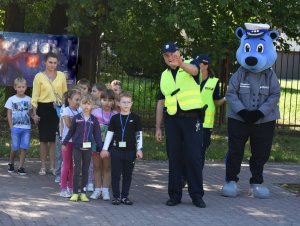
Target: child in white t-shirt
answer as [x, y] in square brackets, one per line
[71, 109]
[18, 116]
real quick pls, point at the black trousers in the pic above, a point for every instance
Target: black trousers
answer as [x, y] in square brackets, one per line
[261, 137]
[206, 142]
[184, 148]
[82, 159]
[121, 167]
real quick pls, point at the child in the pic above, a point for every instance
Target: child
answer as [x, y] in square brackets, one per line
[84, 86]
[125, 131]
[97, 89]
[102, 166]
[117, 88]
[84, 131]
[18, 111]
[72, 108]
[58, 154]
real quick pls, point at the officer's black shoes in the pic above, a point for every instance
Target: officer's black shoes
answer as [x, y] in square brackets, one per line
[173, 202]
[199, 203]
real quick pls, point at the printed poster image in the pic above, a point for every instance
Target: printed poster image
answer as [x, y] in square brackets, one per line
[22, 54]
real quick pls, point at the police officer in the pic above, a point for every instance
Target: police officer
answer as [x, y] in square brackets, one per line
[210, 94]
[180, 95]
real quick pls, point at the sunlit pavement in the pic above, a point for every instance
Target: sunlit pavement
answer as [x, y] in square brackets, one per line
[34, 200]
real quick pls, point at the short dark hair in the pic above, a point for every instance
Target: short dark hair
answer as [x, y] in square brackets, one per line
[125, 94]
[84, 81]
[100, 87]
[50, 54]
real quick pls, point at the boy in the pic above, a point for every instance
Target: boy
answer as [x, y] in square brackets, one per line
[18, 116]
[125, 131]
[84, 86]
[84, 131]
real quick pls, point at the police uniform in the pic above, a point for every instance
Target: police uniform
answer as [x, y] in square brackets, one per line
[183, 128]
[259, 93]
[209, 92]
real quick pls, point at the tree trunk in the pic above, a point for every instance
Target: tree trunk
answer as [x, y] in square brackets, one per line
[58, 20]
[88, 55]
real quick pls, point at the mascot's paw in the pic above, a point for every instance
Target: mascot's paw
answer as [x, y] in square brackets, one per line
[229, 189]
[259, 191]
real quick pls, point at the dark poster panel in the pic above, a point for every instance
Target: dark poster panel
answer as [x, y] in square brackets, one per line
[22, 54]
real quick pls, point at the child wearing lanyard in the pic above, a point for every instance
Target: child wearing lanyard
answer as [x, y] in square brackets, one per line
[102, 166]
[71, 109]
[125, 133]
[84, 131]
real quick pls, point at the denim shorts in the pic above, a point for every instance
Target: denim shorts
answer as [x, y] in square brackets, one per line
[20, 139]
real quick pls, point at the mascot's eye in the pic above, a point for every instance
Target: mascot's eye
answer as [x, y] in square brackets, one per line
[247, 47]
[260, 48]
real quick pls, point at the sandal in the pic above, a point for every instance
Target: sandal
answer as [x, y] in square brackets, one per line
[52, 171]
[116, 201]
[42, 172]
[126, 201]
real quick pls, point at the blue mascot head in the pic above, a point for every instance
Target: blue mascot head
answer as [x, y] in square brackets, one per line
[256, 51]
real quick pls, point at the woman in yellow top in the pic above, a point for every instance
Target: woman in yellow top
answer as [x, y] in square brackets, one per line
[48, 88]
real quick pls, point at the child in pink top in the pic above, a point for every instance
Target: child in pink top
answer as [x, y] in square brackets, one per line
[102, 166]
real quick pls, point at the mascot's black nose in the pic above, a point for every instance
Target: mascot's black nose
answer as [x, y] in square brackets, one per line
[251, 61]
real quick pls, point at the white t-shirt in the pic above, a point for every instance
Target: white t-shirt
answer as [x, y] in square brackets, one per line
[67, 111]
[20, 107]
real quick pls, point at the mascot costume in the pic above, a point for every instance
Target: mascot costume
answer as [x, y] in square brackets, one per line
[252, 96]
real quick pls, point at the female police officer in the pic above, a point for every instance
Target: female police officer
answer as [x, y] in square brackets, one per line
[180, 94]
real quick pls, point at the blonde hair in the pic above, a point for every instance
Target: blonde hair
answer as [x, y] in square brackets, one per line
[87, 99]
[20, 80]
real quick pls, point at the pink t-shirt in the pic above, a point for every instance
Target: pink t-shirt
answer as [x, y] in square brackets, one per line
[103, 119]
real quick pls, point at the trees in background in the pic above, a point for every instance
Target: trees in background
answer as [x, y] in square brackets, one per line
[135, 29]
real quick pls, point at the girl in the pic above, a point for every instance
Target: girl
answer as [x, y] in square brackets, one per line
[97, 89]
[84, 131]
[102, 166]
[72, 108]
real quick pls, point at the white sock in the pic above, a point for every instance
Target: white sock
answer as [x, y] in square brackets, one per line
[98, 189]
[105, 189]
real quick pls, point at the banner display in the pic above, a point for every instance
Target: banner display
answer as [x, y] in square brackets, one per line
[22, 54]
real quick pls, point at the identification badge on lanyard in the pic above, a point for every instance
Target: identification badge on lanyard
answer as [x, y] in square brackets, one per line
[87, 145]
[122, 144]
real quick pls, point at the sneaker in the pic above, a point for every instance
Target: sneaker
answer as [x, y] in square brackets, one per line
[259, 191]
[96, 195]
[74, 197]
[11, 168]
[21, 171]
[90, 187]
[84, 198]
[64, 193]
[53, 171]
[42, 172]
[105, 195]
[57, 179]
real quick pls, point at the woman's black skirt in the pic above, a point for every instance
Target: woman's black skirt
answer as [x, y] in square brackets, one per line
[48, 122]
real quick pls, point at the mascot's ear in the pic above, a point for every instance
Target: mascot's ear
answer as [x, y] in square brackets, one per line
[274, 35]
[239, 32]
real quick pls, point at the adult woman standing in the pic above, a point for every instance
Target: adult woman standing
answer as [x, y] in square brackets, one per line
[48, 88]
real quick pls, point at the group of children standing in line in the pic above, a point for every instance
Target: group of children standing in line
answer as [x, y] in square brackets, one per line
[98, 137]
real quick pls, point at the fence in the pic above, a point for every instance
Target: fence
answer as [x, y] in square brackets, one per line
[145, 89]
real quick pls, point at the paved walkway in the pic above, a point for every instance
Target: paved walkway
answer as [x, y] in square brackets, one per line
[34, 200]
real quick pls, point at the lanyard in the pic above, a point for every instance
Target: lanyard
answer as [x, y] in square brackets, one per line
[110, 114]
[88, 133]
[73, 112]
[123, 128]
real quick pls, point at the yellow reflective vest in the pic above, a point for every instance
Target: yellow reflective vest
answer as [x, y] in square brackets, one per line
[207, 98]
[183, 90]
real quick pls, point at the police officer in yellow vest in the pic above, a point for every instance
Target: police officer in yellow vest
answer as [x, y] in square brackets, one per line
[180, 95]
[210, 94]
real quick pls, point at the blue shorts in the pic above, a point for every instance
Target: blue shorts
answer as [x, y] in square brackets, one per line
[20, 139]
